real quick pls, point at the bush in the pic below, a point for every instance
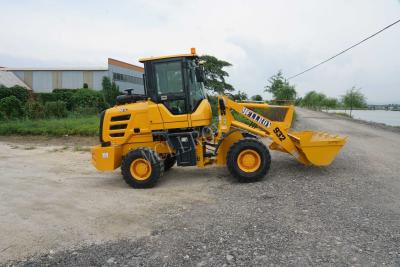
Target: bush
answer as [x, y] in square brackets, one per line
[110, 91]
[64, 95]
[3, 116]
[87, 98]
[43, 98]
[85, 111]
[75, 99]
[21, 93]
[11, 106]
[34, 110]
[4, 91]
[63, 90]
[56, 109]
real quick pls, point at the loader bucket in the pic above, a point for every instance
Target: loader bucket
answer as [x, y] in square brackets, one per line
[319, 148]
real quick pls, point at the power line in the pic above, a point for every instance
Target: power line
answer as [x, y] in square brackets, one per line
[344, 51]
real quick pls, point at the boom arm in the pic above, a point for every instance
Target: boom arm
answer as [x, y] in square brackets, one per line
[276, 130]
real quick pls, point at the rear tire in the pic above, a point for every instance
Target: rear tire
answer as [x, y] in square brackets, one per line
[141, 168]
[169, 161]
[248, 160]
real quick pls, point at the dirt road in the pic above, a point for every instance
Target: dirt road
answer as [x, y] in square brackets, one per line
[55, 209]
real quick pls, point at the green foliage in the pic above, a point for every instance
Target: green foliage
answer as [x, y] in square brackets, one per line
[214, 108]
[298, 101]
[21, 93]
[257, 98]
[87, 98]
[76, 100]
[63, 90]
[45, 97]
[239, 96]
[11, 107]
[3, 116]
[110, 91]
[85, 111]
[84, 126]
[330, 102]
[56, 109]
[216, 75]
[85, 85]
[65, 95]
[280, 88]
[354, 99]
[313, 100]
[34, 110]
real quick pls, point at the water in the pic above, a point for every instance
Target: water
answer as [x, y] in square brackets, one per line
[382, 116]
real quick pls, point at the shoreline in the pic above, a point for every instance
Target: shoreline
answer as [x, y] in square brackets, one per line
[379, 125]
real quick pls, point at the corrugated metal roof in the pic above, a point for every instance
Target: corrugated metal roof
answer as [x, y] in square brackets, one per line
[9, 79]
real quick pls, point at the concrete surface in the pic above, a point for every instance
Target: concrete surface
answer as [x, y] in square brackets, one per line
[56, 210]
[52, 197]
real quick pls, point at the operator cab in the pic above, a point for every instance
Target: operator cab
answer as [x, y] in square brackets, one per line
[175, 81]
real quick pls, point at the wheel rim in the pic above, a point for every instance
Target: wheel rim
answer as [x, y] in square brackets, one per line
[249, 160]
[140, 169]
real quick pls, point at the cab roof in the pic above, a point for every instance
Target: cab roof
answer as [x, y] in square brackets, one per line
[192, 54]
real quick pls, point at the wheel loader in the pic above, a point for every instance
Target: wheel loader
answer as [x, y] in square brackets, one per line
[171, 123]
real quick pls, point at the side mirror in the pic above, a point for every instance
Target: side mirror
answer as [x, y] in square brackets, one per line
[129, 91]
[200, 76]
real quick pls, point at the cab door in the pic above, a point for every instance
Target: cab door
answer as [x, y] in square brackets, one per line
[171, 93]
[199, 107]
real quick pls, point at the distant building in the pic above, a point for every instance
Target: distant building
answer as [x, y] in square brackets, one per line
[125, 75]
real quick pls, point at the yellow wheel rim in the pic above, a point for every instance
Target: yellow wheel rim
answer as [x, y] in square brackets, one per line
[249, 160]
[140, 169]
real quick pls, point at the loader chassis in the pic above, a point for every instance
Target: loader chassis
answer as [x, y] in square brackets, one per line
[146, 134]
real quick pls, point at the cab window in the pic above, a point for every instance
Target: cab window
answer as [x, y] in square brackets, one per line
[169, 78]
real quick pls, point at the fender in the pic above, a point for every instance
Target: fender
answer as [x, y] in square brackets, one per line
[244, 133]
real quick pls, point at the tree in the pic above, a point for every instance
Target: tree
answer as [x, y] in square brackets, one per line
[313, 100]
[216, 75]
[239, 96]
[257, 98]
[280, 88]
[354, 99]
[330, 102]
[110, 91]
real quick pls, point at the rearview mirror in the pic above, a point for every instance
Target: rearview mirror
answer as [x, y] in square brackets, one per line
[200, 76]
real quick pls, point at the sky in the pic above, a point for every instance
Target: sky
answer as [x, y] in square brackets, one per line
[257, 37]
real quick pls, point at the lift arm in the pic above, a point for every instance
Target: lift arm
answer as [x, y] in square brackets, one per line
[276, 130]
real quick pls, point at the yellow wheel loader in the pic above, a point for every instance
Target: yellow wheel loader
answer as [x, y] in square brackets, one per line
[146, 134]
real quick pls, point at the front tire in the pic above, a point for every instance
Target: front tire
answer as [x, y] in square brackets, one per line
[141, 168]
[248, 160]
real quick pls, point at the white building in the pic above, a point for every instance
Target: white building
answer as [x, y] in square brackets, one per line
[125, 75]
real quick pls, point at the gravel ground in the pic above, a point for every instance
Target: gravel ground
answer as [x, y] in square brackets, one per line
[347, 214]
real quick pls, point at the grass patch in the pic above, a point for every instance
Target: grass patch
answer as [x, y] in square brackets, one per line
[83, 126]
